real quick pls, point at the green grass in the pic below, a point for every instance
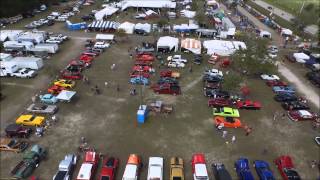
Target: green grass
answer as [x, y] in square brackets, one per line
[292, 6]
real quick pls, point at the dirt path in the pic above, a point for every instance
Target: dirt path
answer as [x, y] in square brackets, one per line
[304, 88]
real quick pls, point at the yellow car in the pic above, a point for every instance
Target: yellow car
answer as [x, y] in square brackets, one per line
[176, 168]
[30, 120]
[64, 83]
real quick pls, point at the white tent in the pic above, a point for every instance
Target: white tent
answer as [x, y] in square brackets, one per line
[192, 45]
[223, 48]
[301, 57]
[188, 14]
[167, 41]
[9, 35]
[128, 27]
[287, 32]
[146, 27]
[147, 4]
[106, 11]
[105, 37]
[265, 34]
[150, 12]
[65, 95]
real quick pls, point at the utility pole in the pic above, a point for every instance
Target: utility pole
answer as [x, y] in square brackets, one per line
[302, 7]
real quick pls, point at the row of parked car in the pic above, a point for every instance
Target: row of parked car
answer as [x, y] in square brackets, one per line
[297, 107]
[134, 166]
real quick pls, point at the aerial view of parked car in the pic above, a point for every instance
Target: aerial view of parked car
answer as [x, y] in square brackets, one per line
[243, 169]
[155, 168]
[226, 112]
[301, 115]
[295, 105]
[220, 172]
[269, 77]
[286, 168]
[167, 89]
[15, 130]
[66, 167]
[30, 120]
[139, 80]
[276, 83]
[228, 122]
[199, 168]
[248, 104]
[42, 108]
[132, 169]
[176, 169]
[216, 93]
[109, 168]
[285, 97]
[12, 145]
[283, 89]
[219, 102]
[48, 99]
[263, 170]
[174, 64]
[55, 90]
[88, 166]
[64, 83]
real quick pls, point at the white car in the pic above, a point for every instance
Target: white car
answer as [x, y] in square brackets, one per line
[200, 172]
[101, 45]
[213, 72]
[273, 49]
[59, 37]
[174, 64]
[24, 73]
[269, 77]
[176, 58]
[155, 168]
[272, 55]
[54, 41]
[317, 139]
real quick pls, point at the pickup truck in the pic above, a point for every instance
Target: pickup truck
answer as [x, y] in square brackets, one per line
[24, 73]
[30, 161]
[101, 45]
[66, 168]
[132, 169]
[89, 166]
[177, 58]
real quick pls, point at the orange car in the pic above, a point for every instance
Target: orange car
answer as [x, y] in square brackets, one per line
[228, 122]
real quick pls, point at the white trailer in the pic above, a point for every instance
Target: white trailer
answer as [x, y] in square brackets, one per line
[50, 48]
[7, 68]
[15, 45]
[28, 62]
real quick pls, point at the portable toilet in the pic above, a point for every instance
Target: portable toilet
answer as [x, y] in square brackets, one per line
[142, 114]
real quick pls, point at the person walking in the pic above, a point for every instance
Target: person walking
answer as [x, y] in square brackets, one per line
[224, 134]
[233, 139]
[118, 88]
[33, 99]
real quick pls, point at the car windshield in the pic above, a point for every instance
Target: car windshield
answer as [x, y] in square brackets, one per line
[105, 177]
[110, 162]
[292, 174]
[176, 178]
[12, 143]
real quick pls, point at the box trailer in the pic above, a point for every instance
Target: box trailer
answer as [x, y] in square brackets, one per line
[39, 52]
[7, 68]
[50, 48]
[28, 62]
[18, 45]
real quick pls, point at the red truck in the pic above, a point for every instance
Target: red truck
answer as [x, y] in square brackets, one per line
[89, 166]
[167, 89]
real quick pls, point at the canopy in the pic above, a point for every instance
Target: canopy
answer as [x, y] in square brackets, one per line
[66, 95]
[187, 13]
[301, 57]
[223, 48]
[265, 34]
[146, 27]
[106, 11]
[286, 32]
[167, 41]
[147, 4]
[106, 37]
[104, 25]
[192, 45]
[127, 27]
[185, 27]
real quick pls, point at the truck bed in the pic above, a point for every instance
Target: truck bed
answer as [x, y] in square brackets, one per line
[60, 175]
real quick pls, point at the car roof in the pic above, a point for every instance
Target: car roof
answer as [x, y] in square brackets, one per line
[201, 170]
[304, 113]
[130, 171]
[85, 171]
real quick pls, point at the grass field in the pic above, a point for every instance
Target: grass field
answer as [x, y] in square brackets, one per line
[292, 6]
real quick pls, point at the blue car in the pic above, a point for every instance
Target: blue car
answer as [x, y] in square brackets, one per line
[139, 80]
[48, 99]
[243, 170]
[263, 170]
[283, 89]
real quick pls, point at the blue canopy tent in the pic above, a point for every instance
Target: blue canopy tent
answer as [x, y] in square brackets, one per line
[76, 26]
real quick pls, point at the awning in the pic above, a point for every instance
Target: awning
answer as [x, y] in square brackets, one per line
[192, 45]
[66, 95]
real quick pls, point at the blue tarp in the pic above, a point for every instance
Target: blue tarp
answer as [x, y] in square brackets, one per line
[76, 26]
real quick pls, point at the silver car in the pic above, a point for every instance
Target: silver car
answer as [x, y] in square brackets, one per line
[42, 108]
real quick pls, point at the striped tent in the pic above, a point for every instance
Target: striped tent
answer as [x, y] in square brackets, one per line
[191, 45]
[103, 25]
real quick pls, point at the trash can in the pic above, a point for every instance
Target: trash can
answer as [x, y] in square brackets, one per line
[142, 114]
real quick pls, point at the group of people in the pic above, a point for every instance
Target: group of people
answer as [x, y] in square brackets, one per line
[220, 127]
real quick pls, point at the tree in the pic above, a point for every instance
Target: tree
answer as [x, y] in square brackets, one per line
[201, 18]
[162, 22]
[232, 82]
[194, 6]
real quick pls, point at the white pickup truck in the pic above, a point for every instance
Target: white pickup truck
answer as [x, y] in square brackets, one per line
[177, 58]
[101, 45]
[24, 73]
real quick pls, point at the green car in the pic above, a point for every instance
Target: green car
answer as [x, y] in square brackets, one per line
[226, 112]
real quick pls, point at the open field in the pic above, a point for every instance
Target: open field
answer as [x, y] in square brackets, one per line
[293, 6]
[108, 120]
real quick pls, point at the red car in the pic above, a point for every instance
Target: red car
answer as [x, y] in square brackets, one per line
[199, 169]
[89, 166]
[91, 54]
[219, 102]
[109, 168]
[169, 73]
[301, 115]
[77, 64]
[86, 58]
[286, 168]
[145, 57]
[248, 104]
[137, 74]
[276, 83]
[167, 89]
[55, 89]
[212, 85]
[65, 74]
[142, 68]
[143, 63]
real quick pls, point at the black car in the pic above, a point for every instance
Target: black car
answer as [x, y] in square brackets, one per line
[220, 172]
[295, 105]
[14, 130]
[140, 32]
[50, 23]
[168, 80]
[285, 97]
[197, 59]
[314, 77]
[209, 78]
[216, 93]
